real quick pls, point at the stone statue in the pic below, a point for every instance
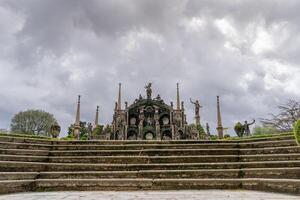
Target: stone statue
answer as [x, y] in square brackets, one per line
[158, 98]
[247, 125]
[55, 130]
[140, 97]
[182, 105]
[207, 129]
[126, 104]
[148, 90]
[90, 130]
[197, 107]
[172, 105]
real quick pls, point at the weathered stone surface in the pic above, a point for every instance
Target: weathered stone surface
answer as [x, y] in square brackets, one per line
[254, 164]
[9, 186]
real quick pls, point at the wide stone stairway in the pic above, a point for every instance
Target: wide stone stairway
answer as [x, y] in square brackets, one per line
[267, 164]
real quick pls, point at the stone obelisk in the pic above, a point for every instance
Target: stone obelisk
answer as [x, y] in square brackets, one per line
[177, 98]
[76, 131]
[119, 98]
[97, 118]
[219, 127]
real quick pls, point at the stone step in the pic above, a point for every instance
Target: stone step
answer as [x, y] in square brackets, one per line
[143, 146]
[270, 150]
[150, 159]
[15, 145]
[123, 142]
[173, 159]
[154, 152]
[24, 152]
[291, 185]
[18, 175]
[103, 142]
[170, 152]
[175, 146]
[9, 186]
[9, 145]
[25, 158]
[16, 166]
[146, 152]
[291, 173]
[24, 140]
[262, 144]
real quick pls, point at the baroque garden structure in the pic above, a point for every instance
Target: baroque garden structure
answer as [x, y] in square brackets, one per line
[150, 118]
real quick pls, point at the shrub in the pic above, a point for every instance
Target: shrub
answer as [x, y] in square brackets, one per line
[226, 136]
[213, 137]
[297, 131]
[239, 129]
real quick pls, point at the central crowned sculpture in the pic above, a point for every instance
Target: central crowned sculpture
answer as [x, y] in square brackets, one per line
[150, 119]
[148, 90]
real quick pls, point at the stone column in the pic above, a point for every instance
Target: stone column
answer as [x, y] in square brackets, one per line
[141, 124]
[157, 126]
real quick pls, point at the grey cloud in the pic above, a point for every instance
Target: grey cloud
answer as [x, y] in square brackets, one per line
[65, 48]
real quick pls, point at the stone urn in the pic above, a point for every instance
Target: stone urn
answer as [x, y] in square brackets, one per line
[55, 130]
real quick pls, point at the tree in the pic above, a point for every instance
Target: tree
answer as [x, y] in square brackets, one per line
[260, 130]
[288, 114]
[36, 122]
[98, 130]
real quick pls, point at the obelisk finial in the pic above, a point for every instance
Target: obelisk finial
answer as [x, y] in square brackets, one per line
[77, 121]
[97, 117]
[78, 111]
[219, 127]
[119, 98]
[177, 98]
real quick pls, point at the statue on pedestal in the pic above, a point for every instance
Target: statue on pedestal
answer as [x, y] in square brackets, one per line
[207, 129]
[197, 107]
[148, 90]
[197, 111]
[247, 125]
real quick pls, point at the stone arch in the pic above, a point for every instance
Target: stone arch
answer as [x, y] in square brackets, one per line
[166, 135]
[149, 135]
[182, 135]
[163, 121]
[132, 135]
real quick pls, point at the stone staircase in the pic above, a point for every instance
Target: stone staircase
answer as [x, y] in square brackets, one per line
[268, 164]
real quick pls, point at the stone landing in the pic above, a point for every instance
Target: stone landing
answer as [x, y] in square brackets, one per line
[149, 195]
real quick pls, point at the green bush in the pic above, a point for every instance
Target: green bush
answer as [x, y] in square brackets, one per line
[213, 137]
[297, 131]
[226, 136]
[239, 129]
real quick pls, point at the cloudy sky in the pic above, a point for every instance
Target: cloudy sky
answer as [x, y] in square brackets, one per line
[52, 50]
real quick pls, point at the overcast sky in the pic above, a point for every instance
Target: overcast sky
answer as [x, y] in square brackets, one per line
[52, 50]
